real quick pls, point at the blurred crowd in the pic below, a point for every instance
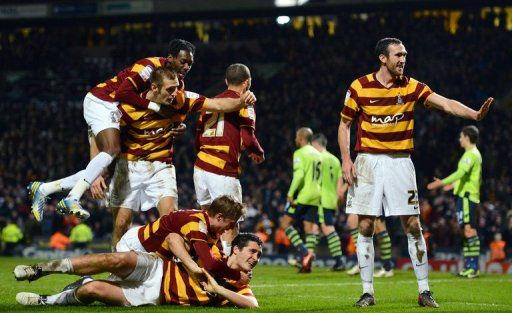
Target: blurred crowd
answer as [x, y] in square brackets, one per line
[301, 72]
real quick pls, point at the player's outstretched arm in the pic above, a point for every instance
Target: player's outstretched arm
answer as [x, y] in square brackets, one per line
[229, 104]
[241, 301]
[456, 108]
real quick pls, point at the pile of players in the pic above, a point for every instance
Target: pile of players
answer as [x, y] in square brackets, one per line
[133, 119]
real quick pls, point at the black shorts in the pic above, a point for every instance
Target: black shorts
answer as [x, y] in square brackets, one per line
[303, 212]
[326, 216]
[466, 211]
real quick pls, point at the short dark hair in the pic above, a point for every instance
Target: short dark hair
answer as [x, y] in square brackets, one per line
[176, 45]
[158, 75]
[227, 206]
[237, 73]
[383, 44]
[242, 240]
[471, 132]
[321, 139]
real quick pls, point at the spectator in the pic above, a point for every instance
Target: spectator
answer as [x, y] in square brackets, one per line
[81, 236]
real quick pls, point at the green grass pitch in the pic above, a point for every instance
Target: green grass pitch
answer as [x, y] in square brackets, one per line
[281, 289]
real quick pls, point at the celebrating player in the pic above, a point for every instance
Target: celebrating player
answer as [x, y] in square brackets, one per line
[466, 186]
[383, 173]
[220, 137]
[145, 279]
[103, 116]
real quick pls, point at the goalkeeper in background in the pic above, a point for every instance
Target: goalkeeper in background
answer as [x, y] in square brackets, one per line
[466, 186]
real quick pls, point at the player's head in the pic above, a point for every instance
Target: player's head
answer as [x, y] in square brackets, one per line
[319, 142]
[468, 136]
[303, 136]
[238, 75]
[164, 85]
[392, 54]
[246, 251]
[224, 213]
[181, 56]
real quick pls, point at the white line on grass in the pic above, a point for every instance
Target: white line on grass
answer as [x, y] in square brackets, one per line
[357, 283]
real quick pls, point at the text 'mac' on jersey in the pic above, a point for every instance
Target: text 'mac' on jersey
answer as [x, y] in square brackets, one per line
[138, 74]
[145, 134]
[386, 115]
[179, 288]
[219, 139]
[192, 225]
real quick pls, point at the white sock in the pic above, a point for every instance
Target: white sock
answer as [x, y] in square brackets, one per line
[91, 172]
[70, 181]
[226, 247]
[51, 187]
[57, 266]
[365, 259]
[63, 298]
[418, 253]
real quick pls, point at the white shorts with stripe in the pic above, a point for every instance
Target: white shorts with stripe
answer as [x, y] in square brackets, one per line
[139, 185]
[210, 186]
[100, 114]
[384, 181]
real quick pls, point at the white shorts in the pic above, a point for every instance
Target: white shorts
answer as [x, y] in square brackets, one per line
[130, 241]
[139, 185]
[142, 286]
[210, 186]
[100, 114]
[383, 181]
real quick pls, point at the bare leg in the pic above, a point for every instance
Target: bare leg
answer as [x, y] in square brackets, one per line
[103, 291]
[167, 205]
[122, 221]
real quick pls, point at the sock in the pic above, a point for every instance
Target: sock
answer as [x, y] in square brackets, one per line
[67, 297]
[295, 239]
[473, 253]
[365, 259]
[57, 266]
[334, 244]
[91, 172]
[418, 254]
[70, 181]
[226, 247]
[385, 250]
[311, 242]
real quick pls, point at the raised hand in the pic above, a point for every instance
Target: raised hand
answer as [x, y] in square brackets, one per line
[484, 109]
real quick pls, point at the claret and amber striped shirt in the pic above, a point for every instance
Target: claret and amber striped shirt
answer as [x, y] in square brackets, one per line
[385, 116]
[145, 134]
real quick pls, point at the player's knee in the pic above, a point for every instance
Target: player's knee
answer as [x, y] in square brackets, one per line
[123, 222]
[113, 149]
[118, 261]
[89, 290]
[285, 222]
[366, 227]
[414, 227]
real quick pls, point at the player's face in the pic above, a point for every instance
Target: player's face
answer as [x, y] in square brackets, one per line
[182, 63]
[463, 140]
[395, 61]
[166, 93]
[297, 139]
[248, 257]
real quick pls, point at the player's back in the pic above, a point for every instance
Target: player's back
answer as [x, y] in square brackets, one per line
[218, 138]
[190, 224]
[310, 161]
[138, 73]
[471, 163]
[331, 172]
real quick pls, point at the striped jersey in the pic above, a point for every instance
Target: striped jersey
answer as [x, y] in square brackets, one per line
[179, 288]
[192, 225]
[385, 121]
[138, 74]
[218, 138]
[145, 133]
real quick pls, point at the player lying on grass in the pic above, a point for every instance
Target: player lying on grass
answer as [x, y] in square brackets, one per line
[145, 279]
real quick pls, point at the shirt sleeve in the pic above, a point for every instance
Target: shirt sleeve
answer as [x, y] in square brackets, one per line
[298, 173]
[134, 84]
[194, 101]
[195, 230]
[247, 117]
[422, 92]
[464, 166]
[350, 106]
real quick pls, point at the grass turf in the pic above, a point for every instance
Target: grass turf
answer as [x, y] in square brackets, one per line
[281, 289]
